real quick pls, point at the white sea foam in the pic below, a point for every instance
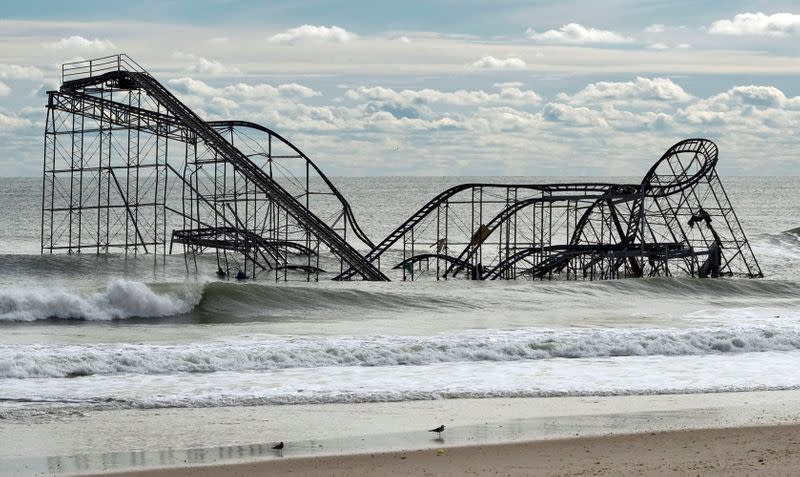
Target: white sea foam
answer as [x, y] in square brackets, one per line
[120, 299]
[781, 246]
[36, 361]
[628, 375]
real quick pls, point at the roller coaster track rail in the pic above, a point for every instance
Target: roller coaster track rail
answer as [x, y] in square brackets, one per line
[108, 157]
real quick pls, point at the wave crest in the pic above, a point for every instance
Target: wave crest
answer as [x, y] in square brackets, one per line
[120, 299]
[65, 361]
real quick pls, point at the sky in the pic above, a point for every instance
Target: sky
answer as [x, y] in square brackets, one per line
[431, 88]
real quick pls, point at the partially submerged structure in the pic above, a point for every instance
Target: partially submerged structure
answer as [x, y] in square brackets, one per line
[129, 168]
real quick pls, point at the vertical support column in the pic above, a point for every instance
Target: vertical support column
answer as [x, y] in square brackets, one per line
[72, 170]
[127, 199]
[82, 165]
[48, 189]
[142, 234]
[109, 178]
[100, 150]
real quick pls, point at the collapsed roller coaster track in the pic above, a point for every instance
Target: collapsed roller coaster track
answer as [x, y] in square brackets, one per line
[130, 169]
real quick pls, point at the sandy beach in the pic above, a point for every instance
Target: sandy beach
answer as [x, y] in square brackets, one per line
[773, 450]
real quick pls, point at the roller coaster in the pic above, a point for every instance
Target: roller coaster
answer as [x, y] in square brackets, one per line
[130, 169]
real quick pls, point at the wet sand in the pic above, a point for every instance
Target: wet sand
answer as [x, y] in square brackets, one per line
[770, 451]
[504, 434]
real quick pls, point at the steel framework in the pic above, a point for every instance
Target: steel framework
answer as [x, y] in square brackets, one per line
[130, 169]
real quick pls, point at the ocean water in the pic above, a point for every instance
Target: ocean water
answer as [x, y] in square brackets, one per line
[85, 332]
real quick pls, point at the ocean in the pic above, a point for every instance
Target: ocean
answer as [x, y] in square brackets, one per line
[81, 332]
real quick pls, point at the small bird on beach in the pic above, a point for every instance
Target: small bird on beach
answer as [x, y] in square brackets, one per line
[438, 430]
[278, 446]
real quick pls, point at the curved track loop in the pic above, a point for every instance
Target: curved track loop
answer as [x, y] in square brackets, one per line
[703, 156]
[348, 211]
[669, 174]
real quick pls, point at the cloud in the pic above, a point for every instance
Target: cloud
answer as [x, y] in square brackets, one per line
[397, 110]
[76, 42]
[313, 34]
[404, 39]
[580, 116]
[665, 46]
[212, 67]
[224, 103]
[574, 33]
[4, 89]
[757, 24]
[12, 122]
[297, 90]
[763, 97]
[753, 118]
[387, 121]
[646, 89]
[508, 84]
[492, 63]
[8, 71]
[193, 86]
[199, 64]
[655, 28]
[242, 90]
[218, 40]
[431, 96]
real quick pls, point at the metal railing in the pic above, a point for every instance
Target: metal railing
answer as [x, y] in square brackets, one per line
[97, 66]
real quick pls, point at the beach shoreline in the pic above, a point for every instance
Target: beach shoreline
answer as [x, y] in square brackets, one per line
[765, 450]
[141, 441]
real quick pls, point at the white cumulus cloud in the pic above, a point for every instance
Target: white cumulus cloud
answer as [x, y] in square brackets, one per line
[492, 63]
[580, 116]
[760, 24]
[76, 42]
[4, 89]
[11, 122]
[763, 97]
[203, 65]
[747, 111]
[198, 64]
[430, 96]
[574, 33]
[313, 33]
[241, 90]
[647, 89]
[8, 71]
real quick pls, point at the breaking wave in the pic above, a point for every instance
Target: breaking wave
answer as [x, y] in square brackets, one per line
[225, 301]
[67, 361]
[120, 299]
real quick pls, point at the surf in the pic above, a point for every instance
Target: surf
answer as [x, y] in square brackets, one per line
[119, 299]
[281, 353]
